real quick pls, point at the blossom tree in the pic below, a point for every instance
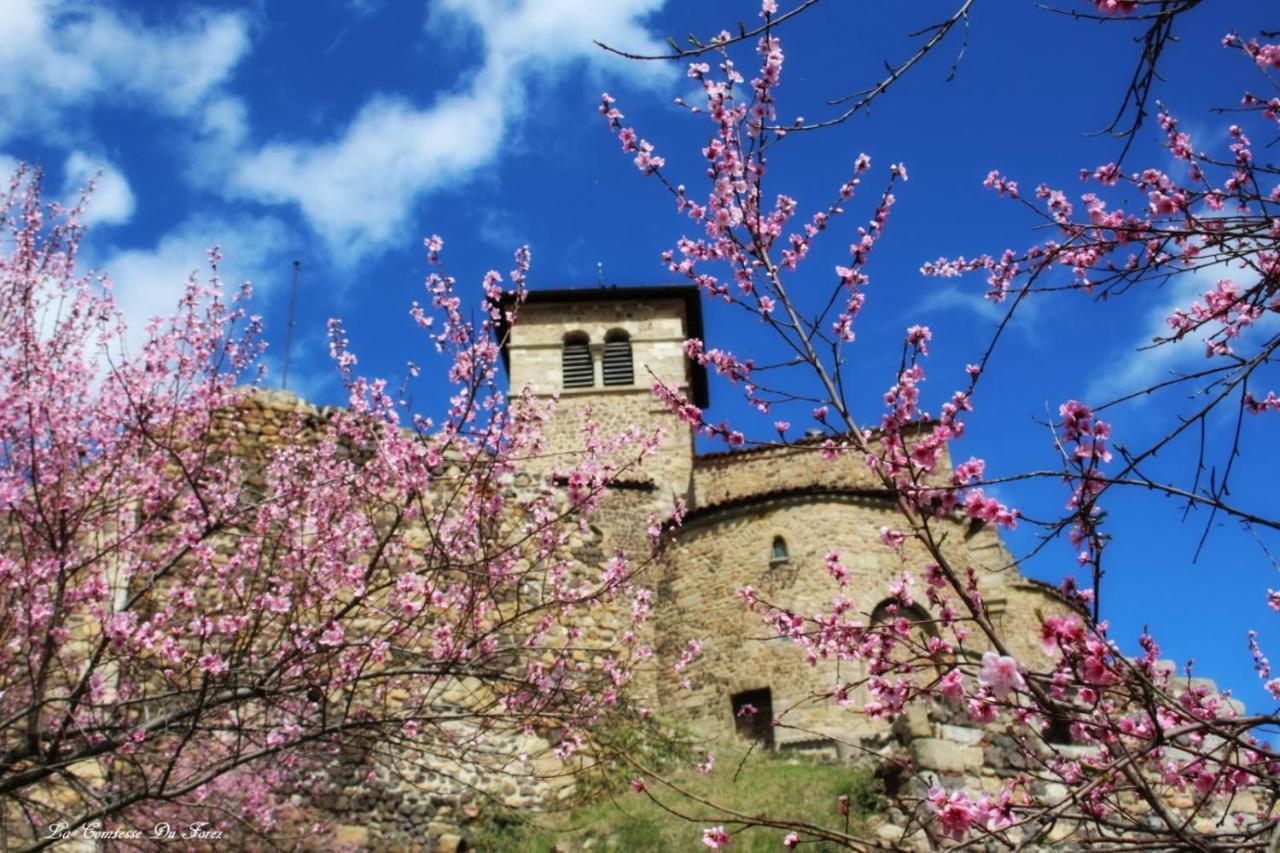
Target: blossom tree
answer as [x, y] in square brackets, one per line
[1143, 737]
[197, 622]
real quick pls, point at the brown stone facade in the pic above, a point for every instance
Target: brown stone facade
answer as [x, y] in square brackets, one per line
[739, 504]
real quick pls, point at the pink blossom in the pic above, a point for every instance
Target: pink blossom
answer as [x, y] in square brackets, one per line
[893, 538]
[951, 686]
[213, 664]
[956, 812]
[1116, 7]
[1000, 674]
[918, 337]
[716, 838]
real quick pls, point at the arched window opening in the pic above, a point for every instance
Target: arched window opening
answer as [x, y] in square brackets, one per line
[753, 715]
[917, 617]
[575, 361]
[618, 369]
[907, 650]
[778, 553]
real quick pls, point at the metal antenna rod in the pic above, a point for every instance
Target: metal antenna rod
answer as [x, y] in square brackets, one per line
[288, 336]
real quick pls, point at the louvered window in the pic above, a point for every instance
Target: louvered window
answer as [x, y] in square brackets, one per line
[575, 360]
[618, 369]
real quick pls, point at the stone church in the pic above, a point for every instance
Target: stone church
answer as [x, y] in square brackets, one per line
[763, 517]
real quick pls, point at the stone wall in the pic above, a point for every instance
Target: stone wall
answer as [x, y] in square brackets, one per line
[734, 475]
[940, 745]
[390, 793]
[721, 477]
[716, 553]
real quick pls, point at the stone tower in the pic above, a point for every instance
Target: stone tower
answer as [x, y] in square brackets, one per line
[604, 347]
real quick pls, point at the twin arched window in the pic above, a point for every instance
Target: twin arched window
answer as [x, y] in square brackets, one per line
[578, 369]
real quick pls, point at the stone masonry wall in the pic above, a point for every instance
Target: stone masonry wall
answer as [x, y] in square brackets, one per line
[719, 549]
[720, 477]
[423, 801]
[940, 745]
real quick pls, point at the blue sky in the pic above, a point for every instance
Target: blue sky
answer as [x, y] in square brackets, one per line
[340, 133]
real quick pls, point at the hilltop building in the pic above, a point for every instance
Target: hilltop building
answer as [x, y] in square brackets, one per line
[763, 517]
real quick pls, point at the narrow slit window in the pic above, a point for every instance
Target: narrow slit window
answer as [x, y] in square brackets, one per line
[778, 553]
[575, 361]
[618, 368]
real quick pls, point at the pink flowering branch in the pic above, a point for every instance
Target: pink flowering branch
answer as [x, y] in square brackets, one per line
[208, 604]
[1142, 734]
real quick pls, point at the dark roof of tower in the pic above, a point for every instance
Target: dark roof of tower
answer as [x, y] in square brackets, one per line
[689, 294]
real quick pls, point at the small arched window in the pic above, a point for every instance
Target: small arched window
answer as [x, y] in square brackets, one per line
[575, 361]
[917, 617]
[778, 553]
[618, 369]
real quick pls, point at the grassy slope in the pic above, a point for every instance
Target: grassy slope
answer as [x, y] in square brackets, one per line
[777, 786]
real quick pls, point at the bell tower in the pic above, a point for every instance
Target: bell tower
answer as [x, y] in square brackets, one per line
[604, 347]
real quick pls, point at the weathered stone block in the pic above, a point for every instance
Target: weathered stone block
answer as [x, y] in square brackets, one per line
[914, 723]
[944, 755]
[450, 842]
[961, 734]
[351, 836]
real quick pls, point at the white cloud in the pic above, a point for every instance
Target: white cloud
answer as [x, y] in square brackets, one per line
[948, 298]
[148, 282]
[58, 57]
[112, 201]
[357, 189]
[1137, 368]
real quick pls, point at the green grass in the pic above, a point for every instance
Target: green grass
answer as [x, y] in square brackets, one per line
[780, 786]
